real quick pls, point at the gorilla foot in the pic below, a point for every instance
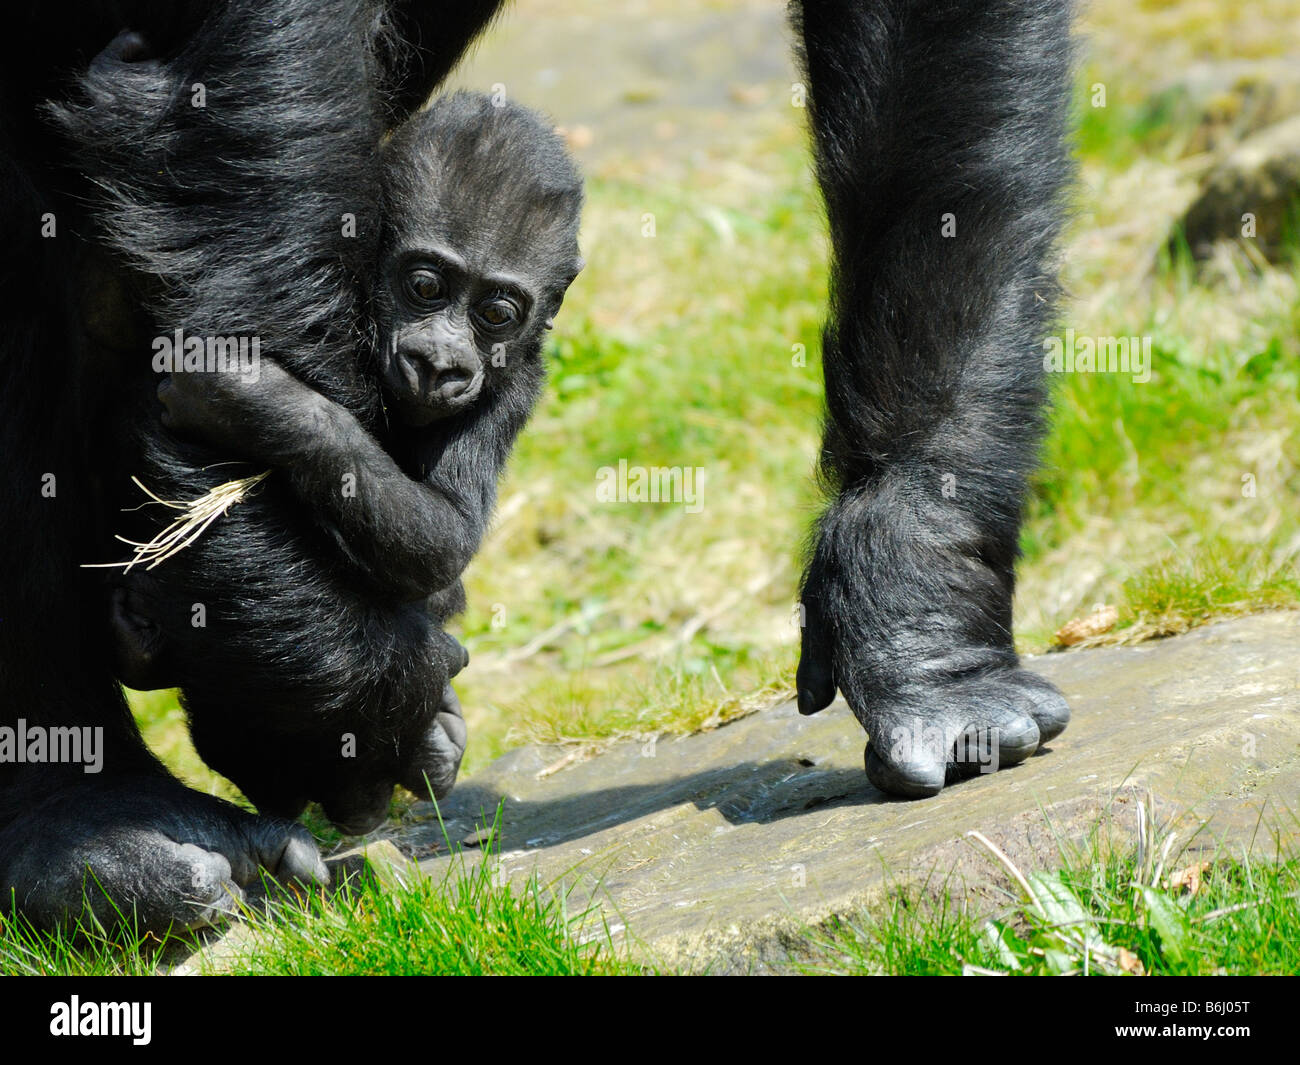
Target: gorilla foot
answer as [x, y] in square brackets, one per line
[146, 851]
[923, 739]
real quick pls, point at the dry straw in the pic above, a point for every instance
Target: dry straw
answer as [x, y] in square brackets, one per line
[196, 516]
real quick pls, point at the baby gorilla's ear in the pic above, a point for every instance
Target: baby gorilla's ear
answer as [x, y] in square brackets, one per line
[575, 268]
[127, 47]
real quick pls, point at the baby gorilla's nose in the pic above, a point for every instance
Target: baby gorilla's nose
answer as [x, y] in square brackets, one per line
[452, 383]
[427, 384]
[411, 369]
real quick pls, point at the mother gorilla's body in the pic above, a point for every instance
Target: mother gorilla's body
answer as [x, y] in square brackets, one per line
[321, 80]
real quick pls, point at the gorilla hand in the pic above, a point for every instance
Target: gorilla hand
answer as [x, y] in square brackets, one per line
[225, 408]
[915, 631]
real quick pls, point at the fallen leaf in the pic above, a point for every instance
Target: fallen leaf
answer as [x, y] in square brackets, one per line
[1101, 620]
[1189, 878]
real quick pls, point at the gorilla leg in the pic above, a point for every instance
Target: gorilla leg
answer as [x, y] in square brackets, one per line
[145, 846]
[939, 134]
[172, 855]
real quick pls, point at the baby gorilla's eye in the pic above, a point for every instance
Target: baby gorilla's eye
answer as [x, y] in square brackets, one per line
[497, 312]
[425, 286]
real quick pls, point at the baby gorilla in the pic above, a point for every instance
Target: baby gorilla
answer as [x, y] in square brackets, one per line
[479, 245]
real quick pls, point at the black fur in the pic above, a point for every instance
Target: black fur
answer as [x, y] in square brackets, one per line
[305, 87]
[344, 662]
[933, 365]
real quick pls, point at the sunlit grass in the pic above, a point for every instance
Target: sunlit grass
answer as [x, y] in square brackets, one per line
[88, 951]
[469, 922]
[1146, 908]
[466, 925]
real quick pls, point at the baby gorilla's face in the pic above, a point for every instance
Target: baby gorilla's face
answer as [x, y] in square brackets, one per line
[444, 322]
[481, 209]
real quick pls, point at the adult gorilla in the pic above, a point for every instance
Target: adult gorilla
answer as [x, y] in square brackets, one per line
[939, 134]
[300, 91]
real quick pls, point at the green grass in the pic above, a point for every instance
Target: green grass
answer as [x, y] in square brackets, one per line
[470, 922]
[1176, 594]
[1104, 912]
[468, 925]
[82, 951]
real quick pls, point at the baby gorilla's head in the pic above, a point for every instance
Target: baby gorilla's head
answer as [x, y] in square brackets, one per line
[481, 209]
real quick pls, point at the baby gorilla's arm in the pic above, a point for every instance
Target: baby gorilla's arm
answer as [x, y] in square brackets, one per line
[411, 537]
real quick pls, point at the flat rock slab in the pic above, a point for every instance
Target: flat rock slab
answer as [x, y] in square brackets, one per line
[711, 848]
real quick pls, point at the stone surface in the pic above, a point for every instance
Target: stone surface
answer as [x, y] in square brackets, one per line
[387, 865]
[715, 848]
